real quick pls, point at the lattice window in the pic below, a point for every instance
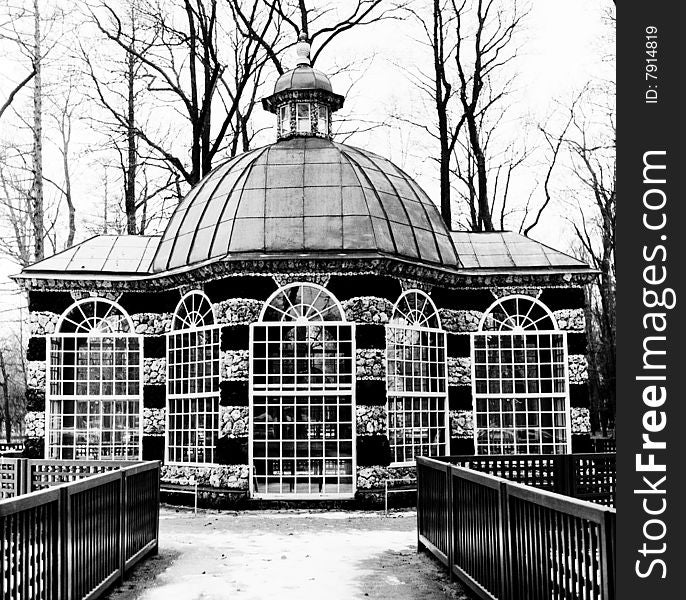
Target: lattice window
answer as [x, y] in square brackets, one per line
[416, 379]
[94, 384]
[303, 121]
[302, 385]
[193, 382]
[519, 380]
[323, 119]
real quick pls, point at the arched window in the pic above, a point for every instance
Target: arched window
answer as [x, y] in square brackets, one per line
[519, 380]
[301, 388]
[193, 382]
[94, 384]
[416, 379]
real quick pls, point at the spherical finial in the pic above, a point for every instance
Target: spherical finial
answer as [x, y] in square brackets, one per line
[302, 50]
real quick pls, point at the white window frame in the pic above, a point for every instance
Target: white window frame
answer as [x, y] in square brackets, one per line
[285, 119]
[323, 119]
[305, 315]
[308, 126]
[180, 328]
[93, 328]
[521, 324]
[415, 323]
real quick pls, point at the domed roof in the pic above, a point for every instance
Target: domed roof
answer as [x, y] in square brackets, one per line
[303, 77]
[305, 196]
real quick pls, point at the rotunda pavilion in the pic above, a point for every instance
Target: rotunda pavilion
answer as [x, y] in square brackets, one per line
[305, 326]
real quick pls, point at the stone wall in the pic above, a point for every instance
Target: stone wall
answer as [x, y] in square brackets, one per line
[371, 364]
[34, 424]
[152, 323]
[368, 309]
[461, 424]
[230, 477]
[234, 421]
[234, 365]
[154, 421]
[371, 420]
[238, 311]
[154, 371]
[459, 321]
[373, 477]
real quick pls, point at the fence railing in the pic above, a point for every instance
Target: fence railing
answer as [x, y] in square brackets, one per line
[588, 477]
[73, 540]
[509, 541]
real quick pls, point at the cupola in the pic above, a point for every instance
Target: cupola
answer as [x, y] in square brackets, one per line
[303, 99]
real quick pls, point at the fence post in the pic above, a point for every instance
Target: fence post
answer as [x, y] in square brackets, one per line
[158, 476]
[123, 521]
[64, 556]
[607, 558]
[505, 542]
[451, 533]
[566, 475]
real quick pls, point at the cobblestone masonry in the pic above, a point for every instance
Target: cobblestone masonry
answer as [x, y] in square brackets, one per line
[461, 423]
[371, 420]
[373, 477]
[234, 421]
[362, 309]
[154, 421]
[370, 365]
[238, 311]
[231, 477]
[152, 323]
[581, 420]
[34, 423]
[35, 374]
[368, 309]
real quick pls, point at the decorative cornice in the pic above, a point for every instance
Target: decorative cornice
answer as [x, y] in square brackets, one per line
[425, 274]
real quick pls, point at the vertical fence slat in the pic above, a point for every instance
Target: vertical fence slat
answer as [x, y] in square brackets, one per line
[510, 541]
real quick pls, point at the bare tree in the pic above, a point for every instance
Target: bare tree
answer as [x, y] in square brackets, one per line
[9, 33]
[185, 63]
[12, 384]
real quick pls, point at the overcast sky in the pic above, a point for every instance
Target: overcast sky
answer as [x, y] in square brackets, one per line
[562, 50]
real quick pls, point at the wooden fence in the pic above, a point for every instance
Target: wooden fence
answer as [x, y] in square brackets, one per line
[509, 541]
[73, 540]
[590, 477]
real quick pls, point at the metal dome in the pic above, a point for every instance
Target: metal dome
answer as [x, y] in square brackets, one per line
[303, 77]
[305, 195]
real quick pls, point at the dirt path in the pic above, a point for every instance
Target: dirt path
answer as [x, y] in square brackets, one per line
[260, 555]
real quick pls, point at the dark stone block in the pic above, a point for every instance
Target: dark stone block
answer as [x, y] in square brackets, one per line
[154, 396]
[559, 298]
[371, 392]
[258, 287]
[235, 337]
[155, 346]
[232, 451]
[579, 395]
[56, 302]
[34, 448]
[460, 397]
[581, 442]
[233, 393]
[345, 287]
[156, 302]
[460, 446]
[458, 345]
[373, 450]
[462, 299]
[36, 348]
[153, 447]
[576, 342]
[370, 336]
[35, 400]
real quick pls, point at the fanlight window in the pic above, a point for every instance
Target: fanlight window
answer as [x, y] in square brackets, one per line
[519, 380]
[416, 379]
[302, 382]
[94, 388]
[193, 382]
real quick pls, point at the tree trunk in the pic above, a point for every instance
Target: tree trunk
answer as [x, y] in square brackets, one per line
[37, 213]
[485, 218]
[131, 166]
[5, 399]
[67, 190]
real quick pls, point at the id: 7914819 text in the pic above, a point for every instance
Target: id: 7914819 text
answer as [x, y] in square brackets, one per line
[651, 64]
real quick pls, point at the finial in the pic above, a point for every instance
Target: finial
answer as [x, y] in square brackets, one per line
[302, 50]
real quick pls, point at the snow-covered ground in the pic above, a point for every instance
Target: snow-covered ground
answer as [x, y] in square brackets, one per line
[284, 555]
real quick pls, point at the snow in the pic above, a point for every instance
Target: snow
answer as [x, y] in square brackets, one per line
[293, 554]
